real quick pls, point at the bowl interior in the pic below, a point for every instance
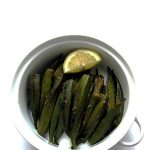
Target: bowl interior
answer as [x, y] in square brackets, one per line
[39, 62]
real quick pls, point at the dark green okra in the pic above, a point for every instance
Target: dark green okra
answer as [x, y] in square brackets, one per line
[87, 101]
[30, 91]
[94, 119]
[58, 78]
[34, 91]
[119, 101]
[55, 118]
[103, 126]
[50, 102]
[111, 90]
[89, 92]
[80, 99]
[82, 113]
[46, 115]
[59, 131]
[46, 86]
[98, 84]
[72, 113]
[66, 103]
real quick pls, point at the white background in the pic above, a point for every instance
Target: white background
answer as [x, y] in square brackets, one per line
[24, 24]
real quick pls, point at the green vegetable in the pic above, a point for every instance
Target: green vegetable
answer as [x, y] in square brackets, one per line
[55, 118]
[94, 118]
[90, 92]
[111, 90]
[119, 102]
[59, 131]
[50, 102]
[58, 78]
[98, 84]
[78, 104]
[46, 114]
[35, 96]
[80, 96]
[103, 126]
[30, 91]
[72, 112]
[66, 104]
[46, 86]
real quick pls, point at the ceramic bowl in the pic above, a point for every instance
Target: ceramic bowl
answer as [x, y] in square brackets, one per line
[40, 57]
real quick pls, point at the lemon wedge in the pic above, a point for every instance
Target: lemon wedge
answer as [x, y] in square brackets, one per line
[80, 60]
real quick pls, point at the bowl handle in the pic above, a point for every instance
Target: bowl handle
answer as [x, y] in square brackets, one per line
[133, 143]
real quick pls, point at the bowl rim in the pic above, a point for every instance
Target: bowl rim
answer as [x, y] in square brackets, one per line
[109, 141]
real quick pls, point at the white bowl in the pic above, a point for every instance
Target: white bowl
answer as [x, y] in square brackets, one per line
[40, 57]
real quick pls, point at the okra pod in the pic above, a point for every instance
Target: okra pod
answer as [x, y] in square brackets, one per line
[58, 78]
[94, 118]
[46, 114]
[111, 90]
[50, 102]
[119, 101]
[55, 118]
[90, 91]
[80, 95]
[59, 131]
[75, 85]
[30, 91]
[35, 97]
[103, 126]
[46, 86]
[98, 84]
[119, 93]
[66, 104]
[72, 112]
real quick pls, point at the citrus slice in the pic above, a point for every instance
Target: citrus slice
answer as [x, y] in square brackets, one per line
[80, 60]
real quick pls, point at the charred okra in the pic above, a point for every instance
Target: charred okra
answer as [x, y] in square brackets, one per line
[80, 99]
[55, 118]
[103, 126]
[66, 103]
[35, 96]
[98, 84]
[46, 86]
[50, 102]
[119, 101]
[94, 118]
[59, 131]
[111, 90]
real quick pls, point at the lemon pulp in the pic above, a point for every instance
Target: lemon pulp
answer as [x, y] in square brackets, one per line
[80, 60]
